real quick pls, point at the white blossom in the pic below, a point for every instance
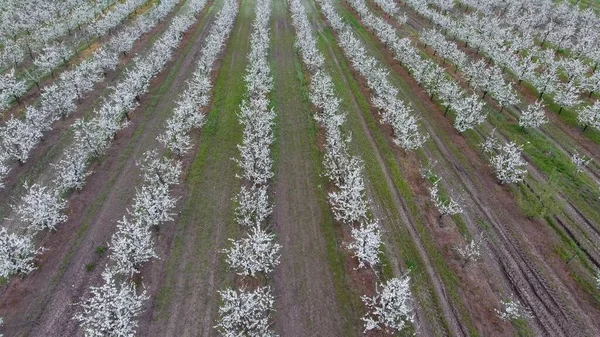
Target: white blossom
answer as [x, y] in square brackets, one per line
[366, 243]
[258, 253]
[590, 116]
[391, 307]
[246, 313]
[252, 206]
[512, 310]
[533, 117]
[348, 201]
[580, 161]
[17, 253]
[508, 163]
[130, 246]
[111, 308]
[41, 208]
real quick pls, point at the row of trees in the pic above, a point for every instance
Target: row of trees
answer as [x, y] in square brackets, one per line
[468, 107]
[526, 61]
[26, 30]
[55, 52]
[18, 137]
[112, 307]
[41, 205]
[390, 308]
[246, 311]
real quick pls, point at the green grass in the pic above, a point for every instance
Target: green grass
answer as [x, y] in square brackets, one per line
[558, 170]
[211, 170]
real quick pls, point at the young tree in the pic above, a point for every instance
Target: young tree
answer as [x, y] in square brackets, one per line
[366, 240]
[157, 169]
[52, 56]
[130, 246]
[19, 137]
[252, 206]
[246, 313]
[508, 163]
[111, 308]
[533, 117]
[255, 254]
[152, 205]
[567, 96]
[17, 253]
[348, 201]
[4, 168]
[469, 113]
[512, 310]
[470, 252]
[10, 86]
[41, 208]
[72, 171]
[390, 308]
[446, 206]
[590, 116]
[55, 98]
[580, 161]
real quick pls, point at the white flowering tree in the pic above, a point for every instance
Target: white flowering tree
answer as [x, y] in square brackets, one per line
[252, 206]
[533, 117]
[391, 307]
[10, 87]
[55, 98]
[508, 163]
[366, 243]
[257, 253]
[512, 309]
[72, 171]
[41, 207]
[567, 96]
[246, 313]
[157, 169]
[470, 252]
[469, 113]
[590, 116]
[152, 205]
[446, 206]
[17, 253]
[348, 201]
[579, 161]
[111, 308]
[18, 138]
[490, 143]
[130, 246]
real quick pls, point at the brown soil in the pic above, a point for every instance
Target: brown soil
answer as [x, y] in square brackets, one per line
[306, 303]
[42, 303]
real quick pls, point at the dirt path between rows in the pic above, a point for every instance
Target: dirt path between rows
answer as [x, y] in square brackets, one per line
[306, 303]
[42, 303]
